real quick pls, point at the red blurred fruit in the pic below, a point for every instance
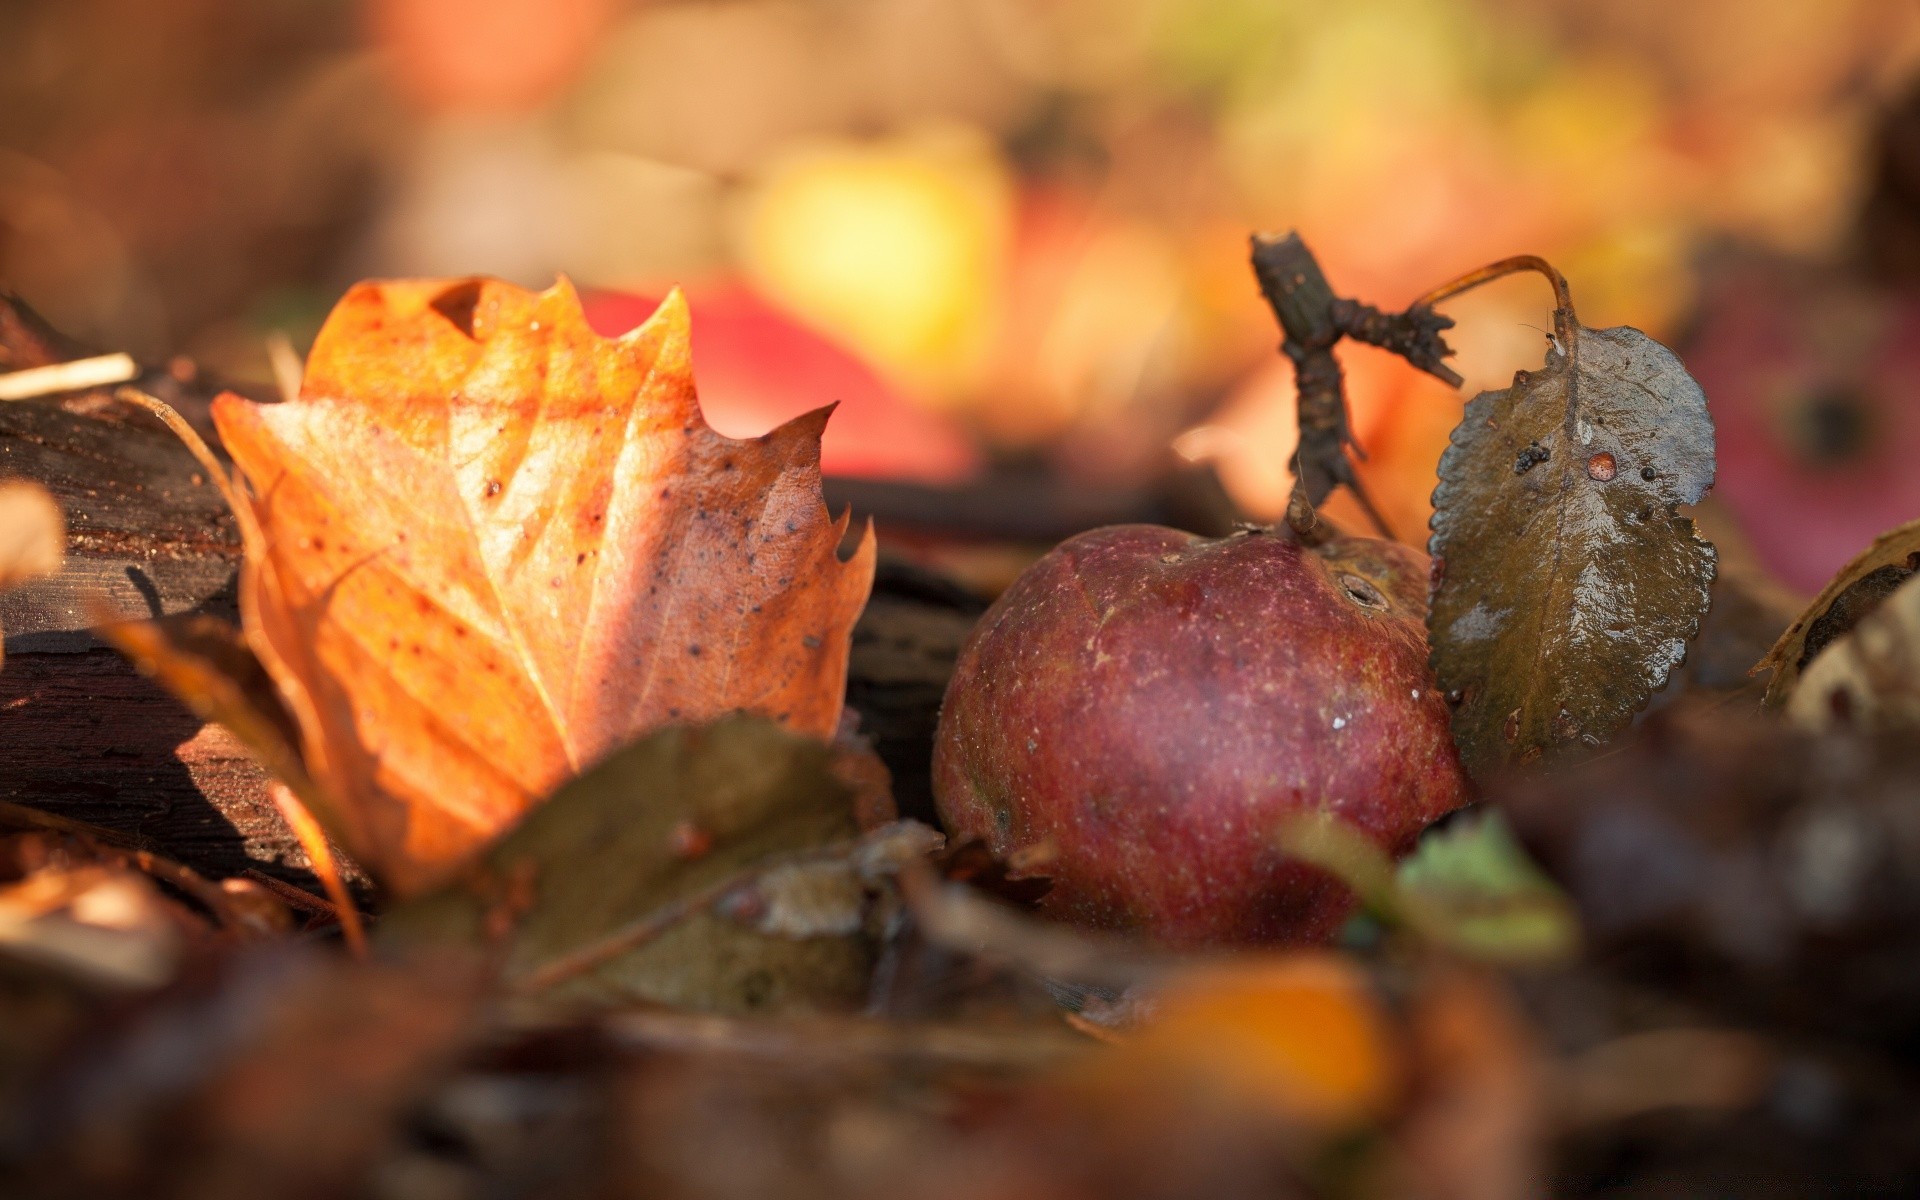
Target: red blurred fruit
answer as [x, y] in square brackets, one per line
[1812, 378]
[759, 367]
[1143, 710]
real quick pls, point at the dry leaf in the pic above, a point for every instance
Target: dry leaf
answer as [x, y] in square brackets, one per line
[495, 546]
[1870, 677]
[1566, 584]
[1857, 590]
[33, 535]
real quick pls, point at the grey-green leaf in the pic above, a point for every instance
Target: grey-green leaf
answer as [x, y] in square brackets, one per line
[717, 868]
[1567, 585]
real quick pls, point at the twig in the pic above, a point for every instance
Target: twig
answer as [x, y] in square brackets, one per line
[253, 540]
[839, 1039]
[288, 370]
[959, 918]
[76, 376]
[294, 897]
[1313, 321]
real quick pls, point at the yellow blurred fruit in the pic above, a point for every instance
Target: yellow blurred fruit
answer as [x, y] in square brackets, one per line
[896, 246]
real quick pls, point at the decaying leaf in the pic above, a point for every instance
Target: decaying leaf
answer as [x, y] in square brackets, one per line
[1567, 585]
[1870, 676]
[33, 535]
[1860, 587]
[490, 546]
[721, 867]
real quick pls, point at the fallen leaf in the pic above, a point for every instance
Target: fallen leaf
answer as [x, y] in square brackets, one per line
[1566, 584]
[1300, 1035]
[1860, 587]
[1663, 1069]
[720, 868]
[493, 546]
[1870, 676]
[33, 535]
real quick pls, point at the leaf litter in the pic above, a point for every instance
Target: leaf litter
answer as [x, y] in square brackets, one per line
[670, 978]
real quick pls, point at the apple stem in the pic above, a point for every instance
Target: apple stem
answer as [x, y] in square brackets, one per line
[1562, 295]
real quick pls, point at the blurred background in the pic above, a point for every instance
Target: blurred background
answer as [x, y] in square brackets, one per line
[1010, 235]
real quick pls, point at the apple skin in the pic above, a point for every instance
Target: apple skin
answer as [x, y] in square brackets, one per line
[1143, 709]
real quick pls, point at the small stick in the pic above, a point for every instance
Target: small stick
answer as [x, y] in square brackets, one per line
[288, 370]
[293, 897]
[839, 1039]
[78, 375]
[313, 840]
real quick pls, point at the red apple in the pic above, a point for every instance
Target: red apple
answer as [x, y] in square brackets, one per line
[1811, 375]
[1143, 710]
[758, 367]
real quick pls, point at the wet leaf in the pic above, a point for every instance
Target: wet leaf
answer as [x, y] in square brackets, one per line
[1870, 676]
[720, 868]
[491, 546]
[1566, 583]
[1859, 588]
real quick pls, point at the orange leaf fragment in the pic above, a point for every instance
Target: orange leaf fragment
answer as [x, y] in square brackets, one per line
[493, 546]
[1300, 1035]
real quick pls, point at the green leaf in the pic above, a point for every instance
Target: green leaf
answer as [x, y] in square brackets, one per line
[1472, 886]
[1567, 585]
[1468, 886]
[718, 868]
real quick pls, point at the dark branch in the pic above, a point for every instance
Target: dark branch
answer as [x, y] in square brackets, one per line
[1313, 321]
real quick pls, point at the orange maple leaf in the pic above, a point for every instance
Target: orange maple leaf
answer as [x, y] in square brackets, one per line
[490, 546]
